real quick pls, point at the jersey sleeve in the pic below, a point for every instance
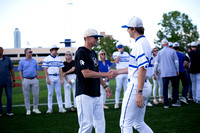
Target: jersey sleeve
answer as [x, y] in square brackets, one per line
[82, 61]
[141, 58]
[45, 62]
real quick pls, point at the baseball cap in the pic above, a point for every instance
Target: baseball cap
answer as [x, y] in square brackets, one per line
[91, 32]
[119, 45]
[176, 44]
[194, 44]
[134, 22]
[170, 44]
[54, 47]
[164, 41]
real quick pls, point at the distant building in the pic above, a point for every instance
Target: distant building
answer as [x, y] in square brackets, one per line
[17, 38]
[39, 54]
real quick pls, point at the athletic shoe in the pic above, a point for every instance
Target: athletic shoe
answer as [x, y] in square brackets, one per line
[183, 99]
[49, 111]
[166, 107]
[116, 106]
[62, 110]
[37, 111]
[149, 104]
[72, 109]
[177, 104]
[28, 112]
[105, 107]
[190, 99]
[198, 102]
[155, 101]
[10, 114]
[161, 100]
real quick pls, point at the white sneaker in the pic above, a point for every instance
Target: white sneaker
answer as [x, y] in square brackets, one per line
[116, 106]
[177, 104]
[183, 99]
[36, 111]
[49, 111]
[149, 104]
[28, 112]
[166, 107]
[62, 110]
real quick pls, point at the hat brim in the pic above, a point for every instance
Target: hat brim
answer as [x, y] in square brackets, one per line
[54, 48]
[120, 46]
[97, 35]
[125, 26]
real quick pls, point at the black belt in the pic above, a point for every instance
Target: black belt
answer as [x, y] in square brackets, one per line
[30, 78]
[53, 74]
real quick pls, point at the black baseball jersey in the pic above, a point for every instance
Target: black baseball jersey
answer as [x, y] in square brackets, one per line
[194, 60]
[86, 59]
[68, 66]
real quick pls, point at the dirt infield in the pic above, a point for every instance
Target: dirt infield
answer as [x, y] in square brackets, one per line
[19, 84]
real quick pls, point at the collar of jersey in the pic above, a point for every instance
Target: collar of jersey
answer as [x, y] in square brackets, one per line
[139, 38]
[52, 56]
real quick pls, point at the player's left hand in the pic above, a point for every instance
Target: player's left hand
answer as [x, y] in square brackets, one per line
[140, 101]
[62, 81]
[108, 92]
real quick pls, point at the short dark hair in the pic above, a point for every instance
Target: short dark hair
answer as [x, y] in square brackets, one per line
[26, 49]
[140, 30]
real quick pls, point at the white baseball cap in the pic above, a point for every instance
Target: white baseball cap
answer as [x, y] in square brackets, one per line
[91, 32]
[119, 45]
[176, 44]
[170, 44]
[54, 47]
[164, 41]
[134, 22]
[194, 44]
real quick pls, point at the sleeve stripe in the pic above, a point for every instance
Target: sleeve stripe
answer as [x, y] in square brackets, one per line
[146, 62]
[140, 56]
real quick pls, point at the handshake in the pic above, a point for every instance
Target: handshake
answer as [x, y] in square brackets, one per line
[112, 74]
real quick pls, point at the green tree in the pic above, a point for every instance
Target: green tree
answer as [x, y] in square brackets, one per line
[177, 27]
[109, 45]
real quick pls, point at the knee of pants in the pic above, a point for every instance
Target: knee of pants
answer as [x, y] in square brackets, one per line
[118, 89]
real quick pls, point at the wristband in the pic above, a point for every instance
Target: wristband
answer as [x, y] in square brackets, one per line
[139, 92]
[105, 87]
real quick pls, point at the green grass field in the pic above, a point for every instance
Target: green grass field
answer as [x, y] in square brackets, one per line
[185, 119]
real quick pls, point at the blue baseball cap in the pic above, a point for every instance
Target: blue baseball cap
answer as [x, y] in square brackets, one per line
[119, 45]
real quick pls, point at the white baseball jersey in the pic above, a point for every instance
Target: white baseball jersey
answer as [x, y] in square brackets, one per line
[124, 59]
[141, 55]
[53, 64]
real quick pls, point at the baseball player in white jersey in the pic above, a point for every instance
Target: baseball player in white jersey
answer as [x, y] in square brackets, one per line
[121, 59]
[53, 72]
[139, 88]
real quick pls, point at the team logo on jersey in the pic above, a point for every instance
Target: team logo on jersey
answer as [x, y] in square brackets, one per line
[96, 62]
[82, 63]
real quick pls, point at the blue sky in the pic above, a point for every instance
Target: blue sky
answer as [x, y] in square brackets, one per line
[47, 22]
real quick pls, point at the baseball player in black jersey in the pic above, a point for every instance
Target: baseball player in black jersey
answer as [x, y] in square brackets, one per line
[89, 104]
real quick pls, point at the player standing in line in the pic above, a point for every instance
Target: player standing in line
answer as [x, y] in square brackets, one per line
[89, 104]
[121, 59]
[53, 72]
[139, 88]
[193, 63]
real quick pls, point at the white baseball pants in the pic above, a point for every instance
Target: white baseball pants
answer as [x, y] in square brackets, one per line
[90, 113]
[55, 83]
[157, 83]
[67, 90]
[131, 114]
[195, 78]
[120, 79]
